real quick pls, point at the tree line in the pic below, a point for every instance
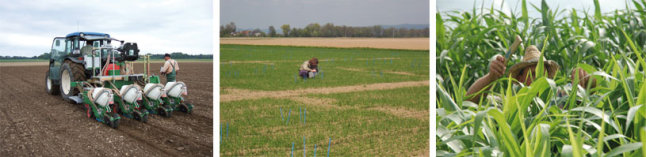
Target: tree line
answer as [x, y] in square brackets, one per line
[41, 56]
[326, 30]
[174, 55]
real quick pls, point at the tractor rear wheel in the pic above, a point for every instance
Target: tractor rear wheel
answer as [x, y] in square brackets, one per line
[50, 87]
[71, 72]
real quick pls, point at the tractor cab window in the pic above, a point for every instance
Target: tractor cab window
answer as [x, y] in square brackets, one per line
[68, 46]
[78, 44]
[58, 47]
[81, 44]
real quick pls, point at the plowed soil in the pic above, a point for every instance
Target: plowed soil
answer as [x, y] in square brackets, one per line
[34, 123]
[382, 43]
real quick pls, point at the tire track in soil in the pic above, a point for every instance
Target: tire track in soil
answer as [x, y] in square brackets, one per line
[53, 126]
[163, 133]
[138, 136]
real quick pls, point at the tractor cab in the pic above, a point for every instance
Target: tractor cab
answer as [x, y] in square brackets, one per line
[80, 56]
[101, 45]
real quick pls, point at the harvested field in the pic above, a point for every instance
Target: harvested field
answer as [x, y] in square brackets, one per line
[383, 43]
[33, 123]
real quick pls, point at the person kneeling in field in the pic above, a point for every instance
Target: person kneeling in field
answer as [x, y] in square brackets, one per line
[523, 72]
[309, 68]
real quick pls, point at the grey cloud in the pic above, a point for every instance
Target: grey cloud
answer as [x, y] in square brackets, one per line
[158, 26]
[299, 13]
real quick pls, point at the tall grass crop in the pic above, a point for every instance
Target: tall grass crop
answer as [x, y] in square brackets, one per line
[607, 120]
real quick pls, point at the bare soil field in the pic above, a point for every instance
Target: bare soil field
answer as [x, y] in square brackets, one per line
[33, 123]
[237, 94]
[20, 64]
[383, 43]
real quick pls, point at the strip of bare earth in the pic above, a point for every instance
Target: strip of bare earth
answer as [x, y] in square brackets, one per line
[381, 43]
[298, 61]
[250, 95]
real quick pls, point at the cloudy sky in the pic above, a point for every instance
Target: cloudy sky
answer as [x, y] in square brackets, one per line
[160, 26]
[263, 13]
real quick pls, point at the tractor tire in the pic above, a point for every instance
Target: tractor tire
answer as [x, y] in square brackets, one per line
[50, 87]
[71, 72]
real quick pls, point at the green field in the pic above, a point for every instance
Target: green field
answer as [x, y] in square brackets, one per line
[389, 122]
[607, 120]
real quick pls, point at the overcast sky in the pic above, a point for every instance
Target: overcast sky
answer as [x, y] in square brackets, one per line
[27, 28]
[263, 13]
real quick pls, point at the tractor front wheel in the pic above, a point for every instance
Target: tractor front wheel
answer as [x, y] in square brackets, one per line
[71, 72]
[50, 87]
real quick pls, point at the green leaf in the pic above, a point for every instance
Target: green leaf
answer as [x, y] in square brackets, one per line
[631, 115]
[541, 141]
[525, 16]
[508, 139]
[624, 149]
[635, 49]
[642, 133]
[577, 149]
[596, 112]
[439, 26]
[597, 10]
